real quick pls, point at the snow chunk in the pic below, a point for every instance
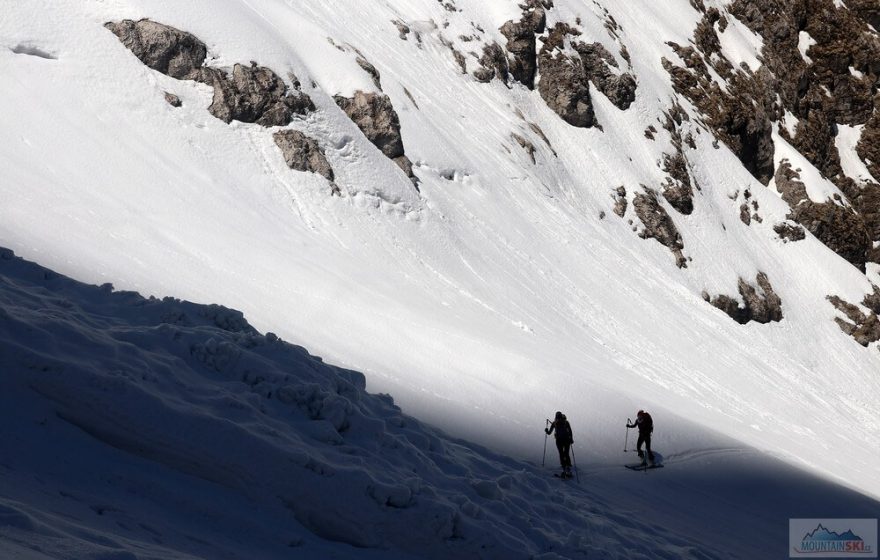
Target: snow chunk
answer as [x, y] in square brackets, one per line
[853, 166]
[819, 189]
[804, 43]
[740, 44]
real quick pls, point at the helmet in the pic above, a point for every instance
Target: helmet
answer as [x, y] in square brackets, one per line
[641, 413]
[559, 415]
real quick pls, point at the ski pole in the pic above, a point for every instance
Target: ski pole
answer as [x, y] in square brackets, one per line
[577, 475]
[626, 439]
[545, 442]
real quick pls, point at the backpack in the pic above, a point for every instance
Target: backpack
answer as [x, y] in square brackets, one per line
[563, 430]
[648, 423]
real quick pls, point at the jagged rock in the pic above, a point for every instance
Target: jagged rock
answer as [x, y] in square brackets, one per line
[524, 144]
[375, 116]
[172, 99]
[678, 190]
[762, 307]
[402, 29]
[369, 69]
[564, 85]
[493, 64]
[254, 94]
[659, 225]
[598, 62]
[863, 327]
[521, 43]
[620, 203]
[789, 232]
[303, 153]
[838, 227]
[173, 52]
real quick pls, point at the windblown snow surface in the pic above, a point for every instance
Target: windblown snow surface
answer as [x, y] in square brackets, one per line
[147, 428]
[484, 301]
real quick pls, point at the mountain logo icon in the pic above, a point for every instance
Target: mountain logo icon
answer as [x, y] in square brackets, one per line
[822, 541]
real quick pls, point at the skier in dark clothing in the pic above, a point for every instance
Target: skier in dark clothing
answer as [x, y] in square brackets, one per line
[645, 424]
[564, 440]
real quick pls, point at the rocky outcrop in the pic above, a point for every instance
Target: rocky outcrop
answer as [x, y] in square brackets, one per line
[760, 304]
[789, 232]
[620, 203]
[523, 62]
[863, 327]
[564, 85]
[303, 153]
[493, 64]
[602, 69]
[172, 99]
[837, 226]
[375, 116]
[525, 145]
[658, 224]
[565, 76]
[168, 50]
[254, 94]
[677, 189]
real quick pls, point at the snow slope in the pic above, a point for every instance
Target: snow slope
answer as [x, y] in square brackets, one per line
[135, 428]
[486, 301]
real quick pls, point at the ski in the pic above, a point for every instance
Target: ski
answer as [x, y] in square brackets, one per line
[641, 467]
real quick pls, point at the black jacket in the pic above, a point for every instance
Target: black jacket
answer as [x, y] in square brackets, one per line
[644, 423]
[563, 431]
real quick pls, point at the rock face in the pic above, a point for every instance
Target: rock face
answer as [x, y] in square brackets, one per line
[375, 116]
[254, 94]
[659, 225]
[839, 227]
[834, 82]
[863, 327]
[564, 85]
[303, 153]
[173, 52]
[762, 307]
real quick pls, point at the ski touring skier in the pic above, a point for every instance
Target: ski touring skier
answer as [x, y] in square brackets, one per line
[564, 439]
[645, 424]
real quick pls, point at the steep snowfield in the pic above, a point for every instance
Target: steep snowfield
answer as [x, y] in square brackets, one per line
[160, 429]
[486, 301]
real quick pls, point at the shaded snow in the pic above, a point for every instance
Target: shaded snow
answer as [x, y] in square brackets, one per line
[137, 428]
